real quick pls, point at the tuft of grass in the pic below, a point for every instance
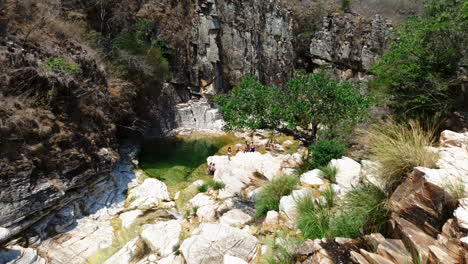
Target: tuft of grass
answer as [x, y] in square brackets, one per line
[399, 148]
[271, 193]
[216, 185]
[362, 211]
[329, 172]
[456, 190]
[314, 217]
[329, 196]
[282, 250]
[203, 188]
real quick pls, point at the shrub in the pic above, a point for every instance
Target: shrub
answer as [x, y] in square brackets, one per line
[346, 6]
[271, 193]
[362, 211]
[325, 150]
[329, 172]
[216, 185]
[60, 65]
[203, 188]
[399, 148]
[420, 73]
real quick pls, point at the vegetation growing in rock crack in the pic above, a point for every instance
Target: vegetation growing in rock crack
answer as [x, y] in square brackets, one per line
[271, 193]
[398, 148]
[308, 101]
[329, 172]
[60, 65]
[281, 249]
[361, 212]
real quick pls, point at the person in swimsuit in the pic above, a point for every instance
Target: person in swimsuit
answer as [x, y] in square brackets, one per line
[229, 153]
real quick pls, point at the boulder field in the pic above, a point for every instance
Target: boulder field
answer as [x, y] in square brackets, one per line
[134, 219]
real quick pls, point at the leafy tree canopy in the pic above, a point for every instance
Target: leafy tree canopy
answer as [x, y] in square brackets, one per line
[420, 71]
[307, 101]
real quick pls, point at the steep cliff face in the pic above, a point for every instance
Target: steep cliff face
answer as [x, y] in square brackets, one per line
[350, 44]
[57, 131]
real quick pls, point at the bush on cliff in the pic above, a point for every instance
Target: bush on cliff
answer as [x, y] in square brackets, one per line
[420, 73]
[308, 101]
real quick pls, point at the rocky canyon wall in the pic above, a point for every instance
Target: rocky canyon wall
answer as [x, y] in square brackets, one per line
[60, 130]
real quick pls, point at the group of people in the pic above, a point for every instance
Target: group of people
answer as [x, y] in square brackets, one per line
[271, 144]
[248, 147]
[211, 168]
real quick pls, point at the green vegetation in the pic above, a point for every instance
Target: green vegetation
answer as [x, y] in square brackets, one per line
[457, 189]
[307, 101]
[420, 73]
[346, 6]
[399, 148]
[271, 193]
[361, 212]
[216, 185]
[281, 249]
[60, 65]
[181, 160]
[329, 172]
[203, 188]
[324, 151]
[145, 61]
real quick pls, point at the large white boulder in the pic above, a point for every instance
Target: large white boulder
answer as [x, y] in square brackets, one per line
[207, 213]
[461, 213]
[127, 253]
[172, 259]
[129, 217]
[450, 138]
[201, 200]
[348, 172]
[148, 194]
[312, 178]
[163, 237]
[210, 242]
[235, 217]
[238, 173]
[233, 260]
[288, 203]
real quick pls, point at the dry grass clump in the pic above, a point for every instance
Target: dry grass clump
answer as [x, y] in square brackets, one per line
[401, 147]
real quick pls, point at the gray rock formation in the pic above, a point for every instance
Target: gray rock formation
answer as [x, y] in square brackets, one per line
[350, 44]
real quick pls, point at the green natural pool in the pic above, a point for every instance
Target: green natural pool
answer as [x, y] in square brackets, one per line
[181, 160]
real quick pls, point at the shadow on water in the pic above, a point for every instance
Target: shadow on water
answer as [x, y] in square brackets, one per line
[180, 160]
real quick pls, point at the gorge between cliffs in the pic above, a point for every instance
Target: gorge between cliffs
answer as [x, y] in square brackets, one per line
[229, 131]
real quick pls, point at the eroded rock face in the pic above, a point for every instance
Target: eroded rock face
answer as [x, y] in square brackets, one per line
[350, 42]
[211, 241]
[162, 237]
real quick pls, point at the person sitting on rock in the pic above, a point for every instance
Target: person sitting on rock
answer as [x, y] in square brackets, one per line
[229, 153]
[247, 147]
[213, 169]
[252, 148]
[210, 168]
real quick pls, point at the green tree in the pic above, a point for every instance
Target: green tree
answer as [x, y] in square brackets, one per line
[419, 74]
[307, 101]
